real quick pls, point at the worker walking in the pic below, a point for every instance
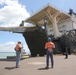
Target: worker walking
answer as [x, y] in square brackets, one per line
[66, 52]
[49, 52]
[18, 53]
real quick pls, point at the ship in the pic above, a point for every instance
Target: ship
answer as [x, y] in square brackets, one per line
[48, 22]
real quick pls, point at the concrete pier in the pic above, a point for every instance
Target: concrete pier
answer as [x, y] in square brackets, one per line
[36, 66]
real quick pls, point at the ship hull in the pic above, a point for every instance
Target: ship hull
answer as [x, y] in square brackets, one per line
[36, 43]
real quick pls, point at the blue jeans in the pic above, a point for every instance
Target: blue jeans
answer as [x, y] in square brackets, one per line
[49, 54]
[18, 56]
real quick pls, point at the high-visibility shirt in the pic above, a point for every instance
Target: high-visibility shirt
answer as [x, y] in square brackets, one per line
[49, 46]
[18, 46]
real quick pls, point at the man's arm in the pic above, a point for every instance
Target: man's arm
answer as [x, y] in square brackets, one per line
[46, 46]
[53, 45]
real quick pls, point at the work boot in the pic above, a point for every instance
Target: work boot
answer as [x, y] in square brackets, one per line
[17, 66]
[51, 66]
[66, 58]
[46, 67]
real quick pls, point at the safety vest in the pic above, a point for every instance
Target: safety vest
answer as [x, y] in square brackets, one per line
[18, 47]
[49, 46]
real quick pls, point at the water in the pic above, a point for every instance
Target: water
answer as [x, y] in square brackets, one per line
[5, 54]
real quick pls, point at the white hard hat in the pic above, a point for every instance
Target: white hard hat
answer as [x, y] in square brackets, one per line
[19, 40]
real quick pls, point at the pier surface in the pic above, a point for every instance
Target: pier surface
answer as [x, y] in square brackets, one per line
[36, 66]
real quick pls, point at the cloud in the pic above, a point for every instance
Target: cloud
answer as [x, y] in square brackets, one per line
[12, 13]
[7, 47]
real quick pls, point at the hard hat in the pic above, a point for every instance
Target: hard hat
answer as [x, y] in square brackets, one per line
[49, 39]
[19, 40]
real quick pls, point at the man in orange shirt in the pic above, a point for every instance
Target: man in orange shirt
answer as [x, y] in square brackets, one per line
[49, 52]
[18, 53]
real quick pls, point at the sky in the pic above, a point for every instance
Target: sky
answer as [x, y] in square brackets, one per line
[12, 12]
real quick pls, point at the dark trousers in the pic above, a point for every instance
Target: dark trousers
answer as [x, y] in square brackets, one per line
[66, 54]
[49, 54]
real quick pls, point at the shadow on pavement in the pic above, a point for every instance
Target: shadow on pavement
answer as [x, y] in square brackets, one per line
[42, 69]
[10, 68]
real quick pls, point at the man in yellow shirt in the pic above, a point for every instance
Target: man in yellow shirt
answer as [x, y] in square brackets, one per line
[49, 52]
